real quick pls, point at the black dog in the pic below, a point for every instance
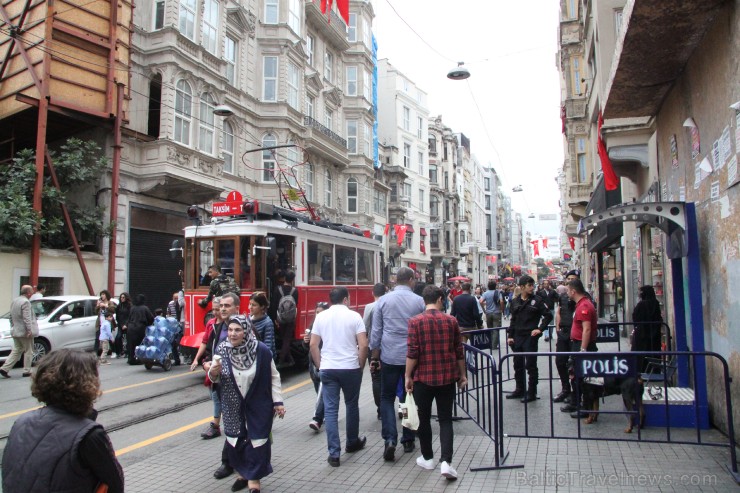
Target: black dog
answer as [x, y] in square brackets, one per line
[631, 391]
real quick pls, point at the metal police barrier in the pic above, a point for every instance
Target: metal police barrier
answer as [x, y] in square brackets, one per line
[480, 402]
[607, 332]
[679, 406]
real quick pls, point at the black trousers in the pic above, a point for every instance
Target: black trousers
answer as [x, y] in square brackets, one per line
[575, 346]
[561, 362]
[444, 396]
[135, 336]
[525, 344]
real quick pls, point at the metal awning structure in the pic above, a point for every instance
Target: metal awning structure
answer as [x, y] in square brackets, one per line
[669, 217]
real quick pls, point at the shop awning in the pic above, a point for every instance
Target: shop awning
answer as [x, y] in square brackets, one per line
[603, 237]
[409, 228]
[422, 232]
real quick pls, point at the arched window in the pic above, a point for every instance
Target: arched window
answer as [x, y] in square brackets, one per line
[292, 158]
[183, 112]
[329, 183]
[352, 195]
[268, 159]
[228, 148]
[308, 185]
[206, 129]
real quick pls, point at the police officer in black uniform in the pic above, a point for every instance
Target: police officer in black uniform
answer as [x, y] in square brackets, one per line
[530, 316]
[563, 322]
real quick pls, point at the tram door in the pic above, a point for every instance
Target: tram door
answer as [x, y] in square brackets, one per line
[253, 258]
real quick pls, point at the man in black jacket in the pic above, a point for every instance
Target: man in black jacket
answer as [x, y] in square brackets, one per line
[467, 311]
[563, 322]
[550, 297]
[530, 316]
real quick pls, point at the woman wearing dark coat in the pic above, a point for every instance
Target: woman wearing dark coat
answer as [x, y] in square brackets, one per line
[139, 319]
[123, 311]
[647, 336]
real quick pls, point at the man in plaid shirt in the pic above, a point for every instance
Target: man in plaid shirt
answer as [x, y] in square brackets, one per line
[435, 361]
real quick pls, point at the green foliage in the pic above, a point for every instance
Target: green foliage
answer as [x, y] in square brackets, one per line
[76, 164]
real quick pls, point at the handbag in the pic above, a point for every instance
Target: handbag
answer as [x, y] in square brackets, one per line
[410, 413]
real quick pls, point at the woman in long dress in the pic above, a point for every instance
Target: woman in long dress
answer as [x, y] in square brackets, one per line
[647, 336]
[250, 399]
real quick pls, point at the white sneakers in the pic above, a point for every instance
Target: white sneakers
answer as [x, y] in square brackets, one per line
[448, 472]
[425, 464]
[113, 356]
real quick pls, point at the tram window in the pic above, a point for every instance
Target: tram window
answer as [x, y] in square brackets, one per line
[345, 265]
[226, 251]
[320, 263]
[245, 263]
[205, 259]
[365, 267]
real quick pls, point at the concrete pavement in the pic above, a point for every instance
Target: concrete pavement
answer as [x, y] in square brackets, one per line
[299, 460]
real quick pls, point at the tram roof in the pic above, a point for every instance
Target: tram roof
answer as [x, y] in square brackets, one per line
[264, 227]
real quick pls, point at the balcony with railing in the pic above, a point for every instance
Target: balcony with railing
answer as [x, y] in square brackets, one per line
[334, 28]
[325, 142]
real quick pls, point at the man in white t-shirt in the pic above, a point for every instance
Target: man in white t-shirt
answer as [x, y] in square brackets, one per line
[340, 363]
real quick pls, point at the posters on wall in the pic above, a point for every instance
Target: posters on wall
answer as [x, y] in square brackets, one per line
[737, 131]
[716, 154]
[697, 176]
[726, 146]
[714, 191]
[732, 171]
[695, 144]
[674, 152]
[682, 193]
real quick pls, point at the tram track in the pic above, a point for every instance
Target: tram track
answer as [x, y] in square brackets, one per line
[148, 416]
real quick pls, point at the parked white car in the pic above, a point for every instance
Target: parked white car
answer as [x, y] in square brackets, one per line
[64, 322]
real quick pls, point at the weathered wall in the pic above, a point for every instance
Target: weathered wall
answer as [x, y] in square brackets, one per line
[53, 263]
[709, 84]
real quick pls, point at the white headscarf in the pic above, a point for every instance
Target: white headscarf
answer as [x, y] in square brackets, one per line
[243, 356]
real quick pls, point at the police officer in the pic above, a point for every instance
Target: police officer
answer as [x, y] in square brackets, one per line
[563, 322]
[530, 316]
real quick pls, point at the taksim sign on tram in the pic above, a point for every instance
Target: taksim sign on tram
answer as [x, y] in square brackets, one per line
[231, 207]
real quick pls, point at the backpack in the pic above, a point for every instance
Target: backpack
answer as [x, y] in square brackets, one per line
[228, 285]
[286, 308]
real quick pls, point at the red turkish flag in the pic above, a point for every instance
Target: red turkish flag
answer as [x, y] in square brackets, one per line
[536, 247]
[400, 233]
[544, 242]
[386, 230]
[572, 242]
[342, 7]
[611, 182]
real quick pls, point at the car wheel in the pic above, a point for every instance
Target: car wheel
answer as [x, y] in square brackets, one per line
[40, 348]
[167, 364]
[148, 366]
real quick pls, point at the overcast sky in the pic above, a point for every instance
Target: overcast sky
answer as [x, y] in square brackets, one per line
[510, 49]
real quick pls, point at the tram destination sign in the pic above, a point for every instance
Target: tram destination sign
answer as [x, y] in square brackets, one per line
[232, 206]
[596, 365]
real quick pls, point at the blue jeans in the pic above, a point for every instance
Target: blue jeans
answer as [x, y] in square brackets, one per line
[349, 382]
[389, 376]
[216, 402]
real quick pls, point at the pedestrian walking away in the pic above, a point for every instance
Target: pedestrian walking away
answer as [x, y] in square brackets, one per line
[341, 359]
[367, 319]
[23, 328]
[250, 398]
[467, 310]
[318, 414]
[435, 362]
[388, 344]
[529, 319]
[494, 306]
[139, 319]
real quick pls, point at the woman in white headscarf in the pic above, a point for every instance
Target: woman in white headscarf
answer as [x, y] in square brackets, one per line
[250, 399]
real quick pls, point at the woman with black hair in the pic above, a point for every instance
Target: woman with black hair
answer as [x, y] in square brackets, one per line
[139, 319]
[647, 336]
[123, 311]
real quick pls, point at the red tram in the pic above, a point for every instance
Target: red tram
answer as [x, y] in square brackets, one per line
[253, 241]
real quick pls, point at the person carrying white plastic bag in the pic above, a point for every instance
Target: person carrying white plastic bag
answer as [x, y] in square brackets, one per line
[410, 413]
[435, 362]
